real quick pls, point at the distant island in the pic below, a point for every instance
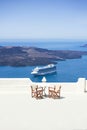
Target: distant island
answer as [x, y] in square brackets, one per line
[85, 45]
[32, 56]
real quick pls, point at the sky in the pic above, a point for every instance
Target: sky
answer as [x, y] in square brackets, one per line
[43, 19]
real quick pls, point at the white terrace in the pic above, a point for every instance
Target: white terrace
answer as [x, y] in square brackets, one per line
[19, 111]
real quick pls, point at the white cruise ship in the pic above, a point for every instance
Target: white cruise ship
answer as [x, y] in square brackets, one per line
[49, 69]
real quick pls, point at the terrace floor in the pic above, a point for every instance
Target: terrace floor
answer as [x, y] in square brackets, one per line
[18, 111]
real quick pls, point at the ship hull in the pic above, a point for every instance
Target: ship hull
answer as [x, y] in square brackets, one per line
[45, 73]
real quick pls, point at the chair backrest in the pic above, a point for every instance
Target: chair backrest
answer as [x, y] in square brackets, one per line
[34, 86]
[57, 87]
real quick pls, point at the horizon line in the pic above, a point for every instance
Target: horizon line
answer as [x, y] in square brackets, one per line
[41, 39]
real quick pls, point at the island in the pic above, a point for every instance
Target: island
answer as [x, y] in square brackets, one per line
[85, 45]
[32, 56]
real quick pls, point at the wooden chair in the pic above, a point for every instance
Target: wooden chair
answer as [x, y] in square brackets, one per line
[36, 91]
[54, 92]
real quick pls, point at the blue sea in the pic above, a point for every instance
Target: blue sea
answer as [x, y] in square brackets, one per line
[67, 71]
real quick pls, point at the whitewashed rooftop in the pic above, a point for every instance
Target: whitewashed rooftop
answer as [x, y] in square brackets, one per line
[18, 111]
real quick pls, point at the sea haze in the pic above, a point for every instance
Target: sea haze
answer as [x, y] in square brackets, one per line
[69, 70]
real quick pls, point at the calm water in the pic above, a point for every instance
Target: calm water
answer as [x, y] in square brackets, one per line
[69, 70]
[72, 45]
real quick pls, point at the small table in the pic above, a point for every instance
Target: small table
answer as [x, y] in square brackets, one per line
[44, 90]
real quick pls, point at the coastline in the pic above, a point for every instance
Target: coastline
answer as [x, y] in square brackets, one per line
[32, 56]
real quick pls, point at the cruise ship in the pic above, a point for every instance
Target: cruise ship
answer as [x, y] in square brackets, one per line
[49, 69]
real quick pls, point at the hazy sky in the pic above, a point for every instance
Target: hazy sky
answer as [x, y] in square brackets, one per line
[43, 19]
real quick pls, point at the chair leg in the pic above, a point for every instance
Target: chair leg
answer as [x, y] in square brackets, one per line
[50, 94]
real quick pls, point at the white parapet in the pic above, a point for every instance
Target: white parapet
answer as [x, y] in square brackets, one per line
[14, 84]
[82, 84]
[23, 84]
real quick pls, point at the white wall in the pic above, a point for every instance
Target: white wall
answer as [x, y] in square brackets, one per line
[23, 84]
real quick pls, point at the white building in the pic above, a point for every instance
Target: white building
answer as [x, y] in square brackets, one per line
[19, 111]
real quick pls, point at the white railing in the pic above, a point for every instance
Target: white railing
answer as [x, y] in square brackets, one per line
[19, 84]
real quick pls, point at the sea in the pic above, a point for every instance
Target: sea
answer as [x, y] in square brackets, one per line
[67, 71]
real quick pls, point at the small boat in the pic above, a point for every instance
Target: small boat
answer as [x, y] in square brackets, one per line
[49, 69]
